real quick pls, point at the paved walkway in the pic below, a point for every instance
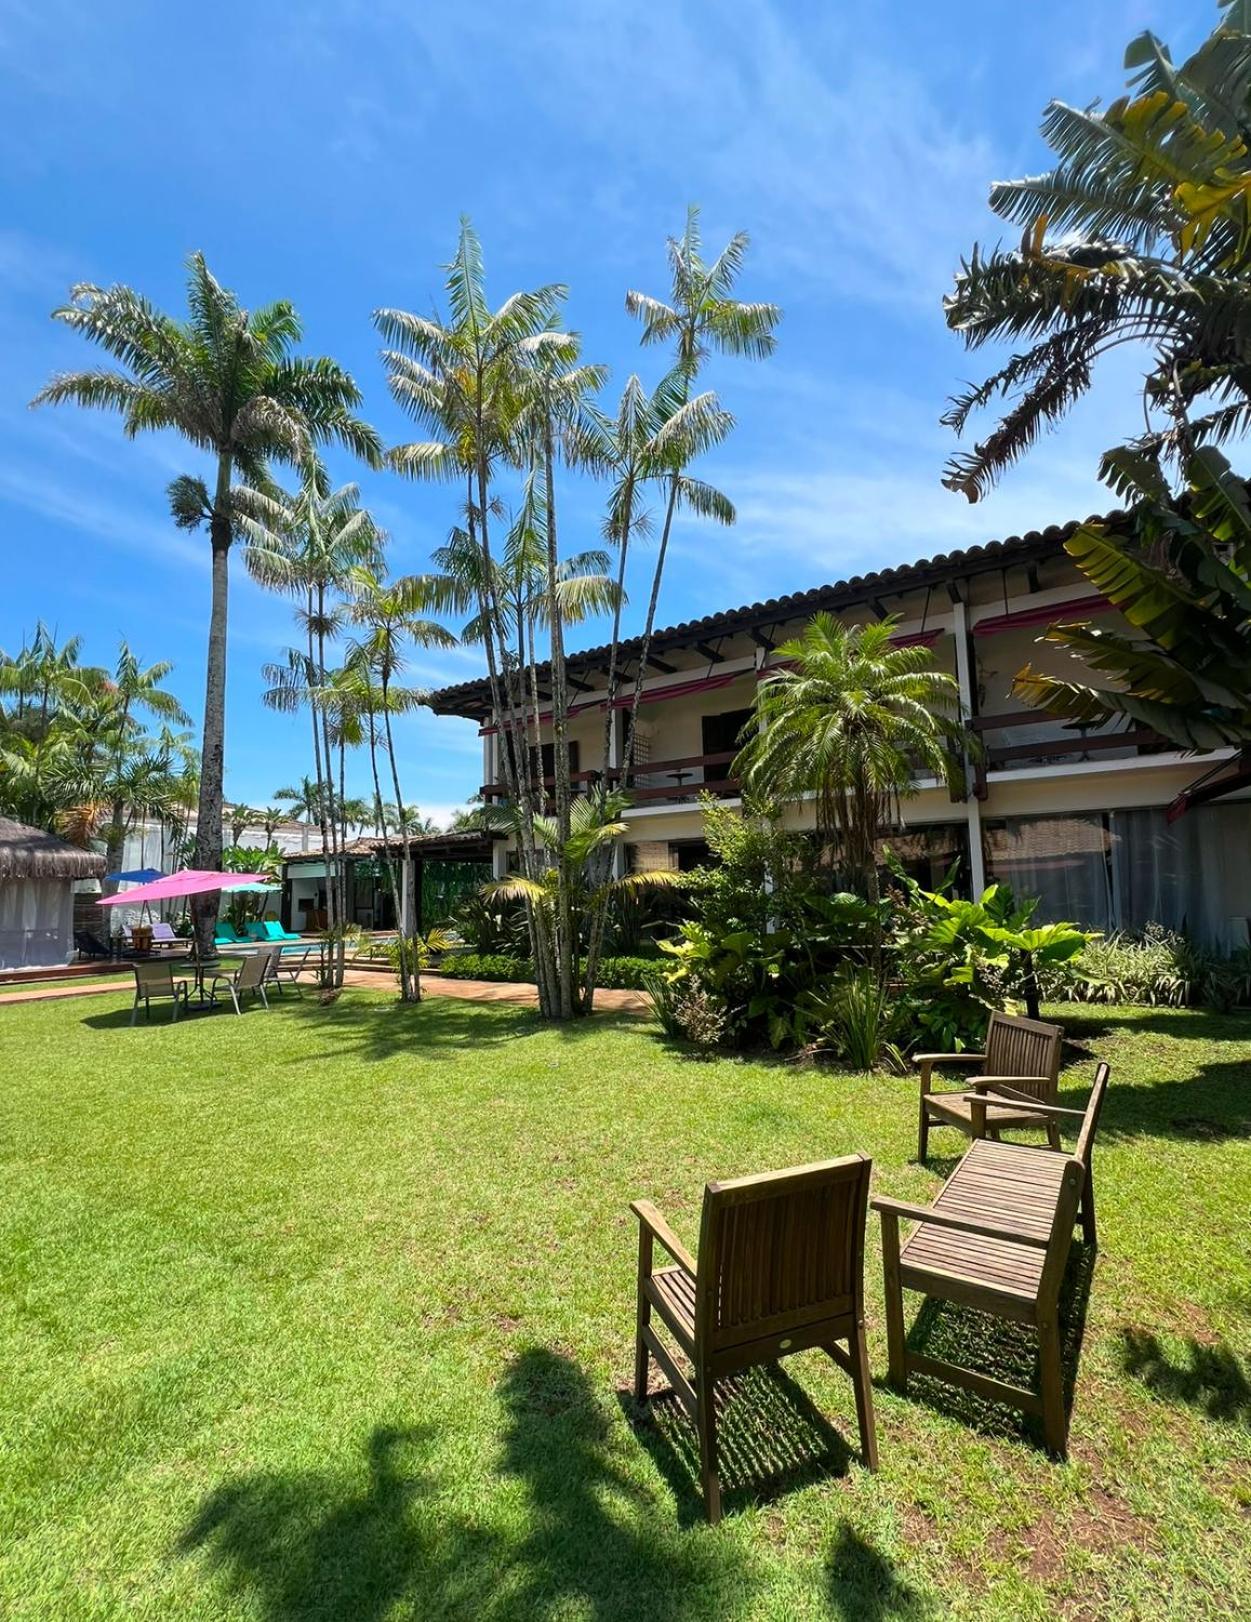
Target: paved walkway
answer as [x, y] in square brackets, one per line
[436, 985]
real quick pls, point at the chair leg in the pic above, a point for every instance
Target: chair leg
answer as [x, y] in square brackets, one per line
[642, 1358]
[1055, 1420]
[1088, 1212]
[923, 1132]
[1053, 1136]
[863, 1383]
[234, 997]
[897, 1363]
[706, 1421]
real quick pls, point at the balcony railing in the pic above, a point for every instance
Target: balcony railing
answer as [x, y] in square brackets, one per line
[1074, 739]
[668, 782]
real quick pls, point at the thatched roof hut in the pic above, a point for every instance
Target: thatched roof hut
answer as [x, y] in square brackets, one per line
[30, 853]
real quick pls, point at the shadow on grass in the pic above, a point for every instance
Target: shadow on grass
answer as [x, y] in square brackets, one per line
[1002, 1349]
[377, 1029]
[1087, 1022]
[862, 1583]
[1213, 1378]
[771, 1440]
[310, 1546]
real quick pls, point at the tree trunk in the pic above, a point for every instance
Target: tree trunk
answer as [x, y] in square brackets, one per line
[628, 759]
[115, 846]
[411, 987]
[208, 832]
[565, 941]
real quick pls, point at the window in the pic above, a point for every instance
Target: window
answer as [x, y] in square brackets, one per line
[721, 732]
[1064, 861]
[543, 760]
[1193, 875]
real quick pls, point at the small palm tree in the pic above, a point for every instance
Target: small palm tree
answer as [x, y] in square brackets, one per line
[850, 718]
[596, 823]
[227, 380]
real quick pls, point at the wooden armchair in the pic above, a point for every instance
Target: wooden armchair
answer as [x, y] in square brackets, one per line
[780, 1270]
[997, 1239]
[1024, 1053]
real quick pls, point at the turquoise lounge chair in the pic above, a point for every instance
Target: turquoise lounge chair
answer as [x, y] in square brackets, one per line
[275, 932]
[226, 935]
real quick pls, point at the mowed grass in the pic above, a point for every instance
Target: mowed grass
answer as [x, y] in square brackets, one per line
[327, 1313]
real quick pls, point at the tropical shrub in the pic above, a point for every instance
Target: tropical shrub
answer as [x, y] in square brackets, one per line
[857, 1016]
[1159, 968]
[958, 960]
[686, 1010]
[618, 973]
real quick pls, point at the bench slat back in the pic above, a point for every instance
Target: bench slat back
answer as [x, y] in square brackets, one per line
[782, 1250]
[1025, 1048]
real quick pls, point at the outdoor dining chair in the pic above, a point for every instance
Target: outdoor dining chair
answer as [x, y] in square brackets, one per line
[286, 968]
[155, 979]
[251, 975]
[1024, 1052]
[780, 1270]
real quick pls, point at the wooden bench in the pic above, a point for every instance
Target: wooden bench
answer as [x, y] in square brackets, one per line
[997, 1238]
[1022, 1052]
[780, 1269]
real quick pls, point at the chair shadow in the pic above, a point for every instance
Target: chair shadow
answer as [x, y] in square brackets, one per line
[771, 1440]
[1214, 1379]
[1000, 1348]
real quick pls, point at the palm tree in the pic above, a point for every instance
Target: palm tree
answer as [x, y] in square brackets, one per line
[303, 800]
[460, 380]
[306, 545]
[407, 819]
[701, 318]
[226, 379]
[391, 615]
[133, 687]
[270, 818]
[596, 823]
[1137, 236]
[850, 718]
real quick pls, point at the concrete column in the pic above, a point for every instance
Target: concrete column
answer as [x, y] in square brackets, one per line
[966, 679]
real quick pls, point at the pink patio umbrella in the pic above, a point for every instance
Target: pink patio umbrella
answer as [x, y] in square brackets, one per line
[191, 881]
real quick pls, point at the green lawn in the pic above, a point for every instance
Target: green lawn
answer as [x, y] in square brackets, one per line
[327, 1313]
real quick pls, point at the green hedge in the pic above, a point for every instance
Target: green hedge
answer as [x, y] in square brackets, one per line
[616, 973]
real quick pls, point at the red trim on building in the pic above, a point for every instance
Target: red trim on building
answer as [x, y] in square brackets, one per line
[1044, 614]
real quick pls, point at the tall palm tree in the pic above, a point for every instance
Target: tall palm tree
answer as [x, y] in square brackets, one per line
[306, 545]
[850, 718]
[701, 318]
[392, 616]
[227, 379]
[459, 380]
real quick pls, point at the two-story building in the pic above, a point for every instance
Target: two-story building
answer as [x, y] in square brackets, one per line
[1110, 826]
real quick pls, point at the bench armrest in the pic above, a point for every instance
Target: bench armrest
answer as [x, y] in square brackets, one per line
[931, 1059]
[941, 1219]
[651, 1219]
[998, 1090]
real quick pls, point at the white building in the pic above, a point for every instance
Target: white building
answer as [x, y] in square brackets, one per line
[1108, 826]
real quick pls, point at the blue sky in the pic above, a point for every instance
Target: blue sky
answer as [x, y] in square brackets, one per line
[323, 153]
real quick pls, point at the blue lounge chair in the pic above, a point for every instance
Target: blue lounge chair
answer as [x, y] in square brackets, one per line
[226, 935]
[275, 932]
